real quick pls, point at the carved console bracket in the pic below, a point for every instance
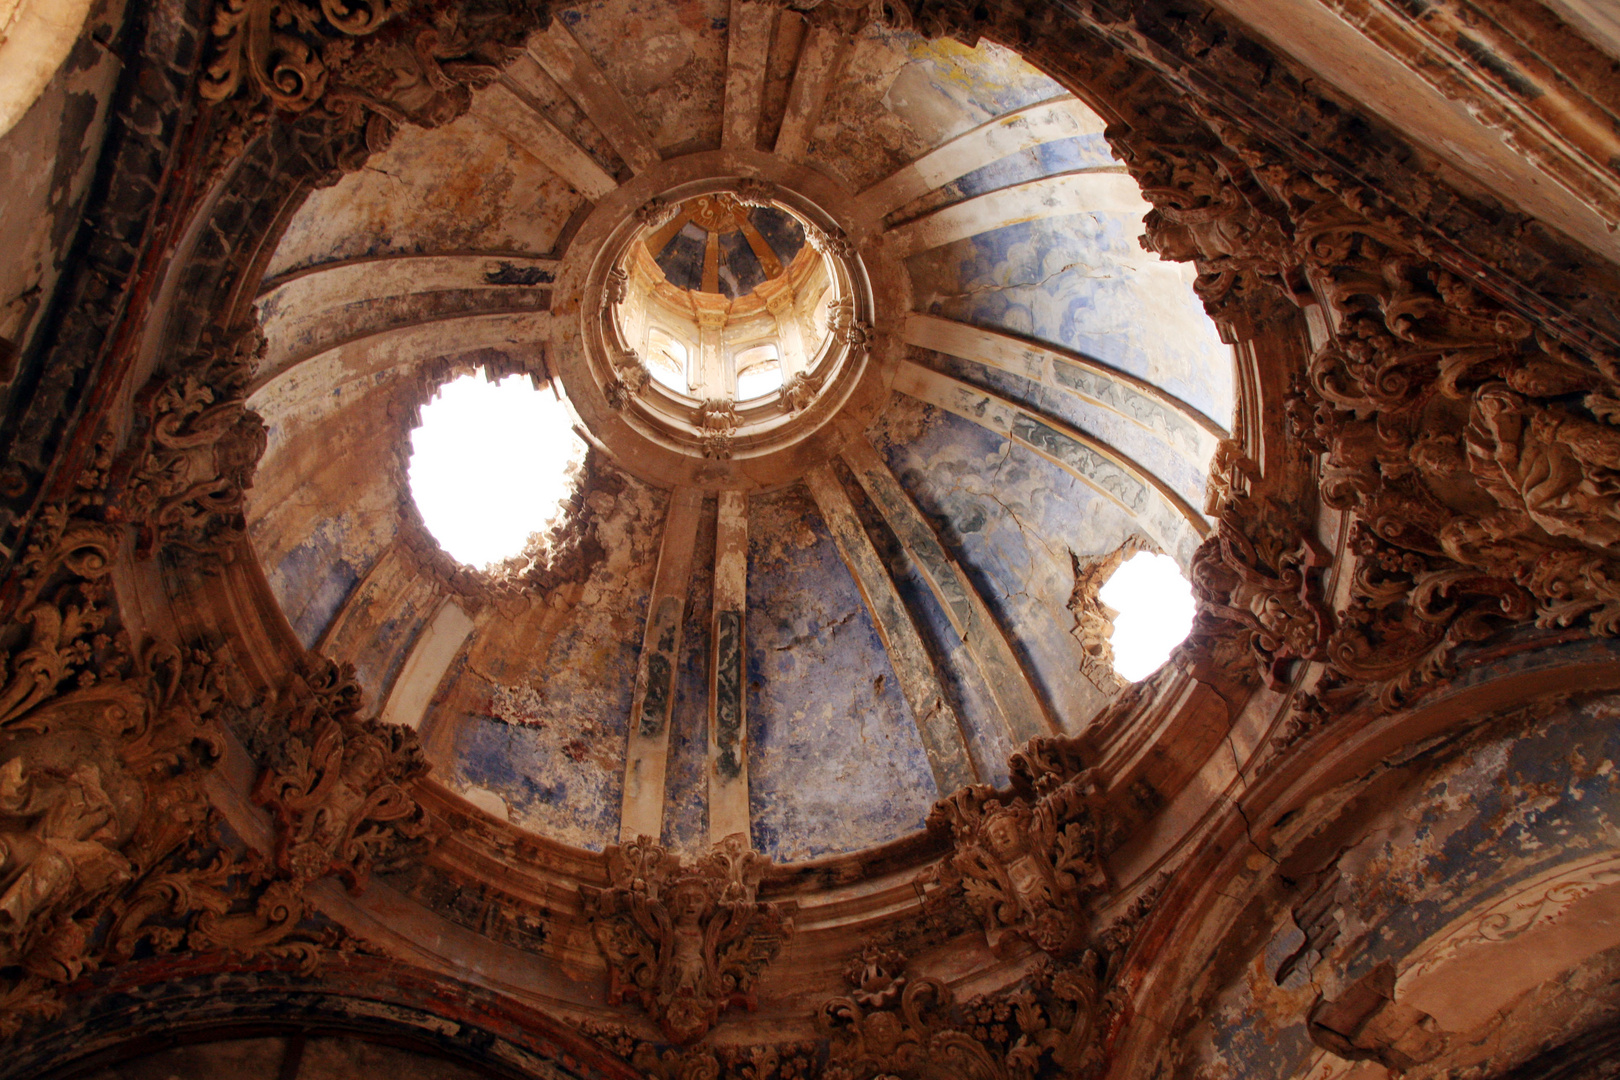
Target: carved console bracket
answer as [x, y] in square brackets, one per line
[687, 940]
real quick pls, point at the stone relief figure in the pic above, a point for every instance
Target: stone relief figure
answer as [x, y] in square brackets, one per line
[1025, 867]
[687, 941]
[59, 840]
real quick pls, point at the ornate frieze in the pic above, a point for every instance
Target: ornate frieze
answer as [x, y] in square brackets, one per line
[687, 940]
[1048, 1026]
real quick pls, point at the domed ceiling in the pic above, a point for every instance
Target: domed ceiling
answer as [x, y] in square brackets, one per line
[852, 624]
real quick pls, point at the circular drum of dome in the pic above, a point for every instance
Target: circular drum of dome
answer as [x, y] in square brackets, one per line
[724, 325]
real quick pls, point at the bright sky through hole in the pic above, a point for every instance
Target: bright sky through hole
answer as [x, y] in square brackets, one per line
[1155, 608]
[490, 465]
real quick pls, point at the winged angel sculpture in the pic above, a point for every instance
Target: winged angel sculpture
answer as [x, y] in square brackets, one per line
[686, 940]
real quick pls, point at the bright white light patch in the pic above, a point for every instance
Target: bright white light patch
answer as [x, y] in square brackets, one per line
[1155, 606]
[491, 465]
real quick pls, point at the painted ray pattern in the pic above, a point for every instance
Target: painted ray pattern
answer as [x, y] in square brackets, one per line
[810, 665]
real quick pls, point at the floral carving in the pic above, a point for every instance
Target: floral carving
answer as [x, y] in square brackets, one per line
[1048, 1026]
[195, 459]
[336, 783]
[630, 379]
[831, 242]
[656, 213]
[847, 329]
[752, 192]
[617, 286]
[1267, 581]
[799, 391]
[364, 67]
[687, 940]
[1027, 861]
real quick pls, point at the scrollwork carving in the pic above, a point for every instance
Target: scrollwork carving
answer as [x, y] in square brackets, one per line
[1262, 571]
[361, 68]
[687, 940]
[1027, 861]
[196, 456]
[1048, 1026]
[336, 783]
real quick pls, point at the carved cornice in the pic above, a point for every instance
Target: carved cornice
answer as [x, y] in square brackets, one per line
[1519, 71]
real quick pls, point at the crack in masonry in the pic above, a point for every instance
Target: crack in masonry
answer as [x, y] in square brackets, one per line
[802, 638]
[1022, 528]
[1248, 826]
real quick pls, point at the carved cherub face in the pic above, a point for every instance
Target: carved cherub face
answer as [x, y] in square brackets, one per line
[1006, 835]
[687, 904]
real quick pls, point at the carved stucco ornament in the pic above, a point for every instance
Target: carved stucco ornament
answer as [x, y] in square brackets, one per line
[1426, 404]
[799, 391]
[718, 421]
[656, 213]
[630, 378]
[922, 1032]
[1027, 861]
[195, 457]
[109, 848]
[687, 940]
[336, 782]
[1261, 570]
[361, 68]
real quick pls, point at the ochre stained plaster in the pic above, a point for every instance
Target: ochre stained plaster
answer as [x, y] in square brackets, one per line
[542, 724]
[460, 187]
[674, 80]
[898, 96]
[47, 162]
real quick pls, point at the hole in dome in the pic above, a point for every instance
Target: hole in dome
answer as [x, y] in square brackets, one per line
[492, 464]
[1155, 605]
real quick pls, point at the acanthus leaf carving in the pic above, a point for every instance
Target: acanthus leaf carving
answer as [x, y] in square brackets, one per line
[630, 378]
[685, 939]
[336, 783]
[359, 68]
[799, 391]
[195, 458]
[1027, 861]
[1262, 571]
[1428, 403]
